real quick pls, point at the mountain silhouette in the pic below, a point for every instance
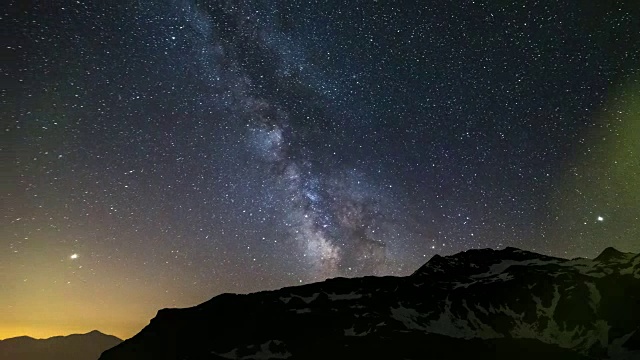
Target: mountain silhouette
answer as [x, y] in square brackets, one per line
[478, 304]
[87, 346]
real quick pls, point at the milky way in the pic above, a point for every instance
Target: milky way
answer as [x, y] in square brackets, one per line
[156, 154]
[331, 215]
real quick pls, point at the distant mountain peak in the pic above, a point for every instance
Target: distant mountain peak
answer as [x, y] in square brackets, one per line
[23, 337]
[96, 333]
[610, 254]
[87, 346]
[468, 262]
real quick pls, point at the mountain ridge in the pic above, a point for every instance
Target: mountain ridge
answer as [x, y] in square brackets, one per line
[482, 300]
[92, 332]
[87, 346]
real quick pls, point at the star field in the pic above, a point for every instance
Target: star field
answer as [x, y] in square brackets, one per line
[156, 154]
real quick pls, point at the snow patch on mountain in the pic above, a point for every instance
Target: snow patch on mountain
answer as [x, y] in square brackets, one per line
[450, 325]
[500, 267]
[594, 296]
[633, 268]
[457, 285]
[617, 351]
[407, 316]
[547, 311]
[349, 296]
[265, 351]
[483, 331]
[352, 332]
[306, 299]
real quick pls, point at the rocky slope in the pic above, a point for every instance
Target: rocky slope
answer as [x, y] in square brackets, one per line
[87, 346]
[484, 304]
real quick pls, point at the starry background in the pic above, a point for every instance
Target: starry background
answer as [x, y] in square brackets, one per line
[156, 154]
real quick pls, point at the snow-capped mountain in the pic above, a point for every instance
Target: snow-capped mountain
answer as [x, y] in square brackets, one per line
[487, 304]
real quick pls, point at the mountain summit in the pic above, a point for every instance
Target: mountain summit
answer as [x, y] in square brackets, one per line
[610, 254]
[480, 304]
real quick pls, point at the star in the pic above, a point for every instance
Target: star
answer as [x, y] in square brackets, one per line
[600, 219]
[73, 256]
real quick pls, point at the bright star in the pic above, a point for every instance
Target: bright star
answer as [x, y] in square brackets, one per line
[600, 218]
[73, 256]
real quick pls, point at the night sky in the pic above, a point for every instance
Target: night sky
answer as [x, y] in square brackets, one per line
[158, 153]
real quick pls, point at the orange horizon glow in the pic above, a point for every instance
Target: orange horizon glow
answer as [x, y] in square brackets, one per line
[43, 332]
[76, 294]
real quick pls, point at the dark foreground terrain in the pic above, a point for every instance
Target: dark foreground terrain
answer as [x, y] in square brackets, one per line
[478, 304]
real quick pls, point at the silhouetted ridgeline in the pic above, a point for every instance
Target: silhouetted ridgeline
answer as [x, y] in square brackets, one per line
[87, 346]
[484, 304]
